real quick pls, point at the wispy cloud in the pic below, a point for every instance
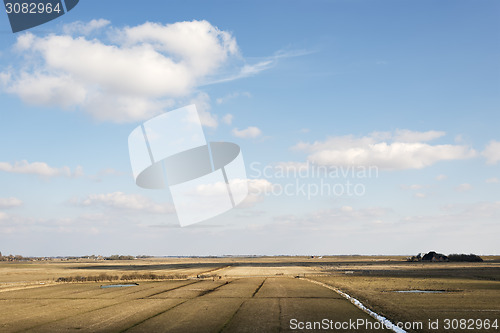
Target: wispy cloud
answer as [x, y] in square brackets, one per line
[245, 71]
[492, 152]
[465, 187]
[251, 132]
[493, 180]
[255, 68]
[125, 202]
[400, 150]
[85, 28]
[228, 119]
[228, 97]
[11, 202]
[414, 187]
[202, 102]
[39, 169]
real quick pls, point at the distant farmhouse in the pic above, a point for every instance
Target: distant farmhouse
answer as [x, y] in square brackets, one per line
[431, 256]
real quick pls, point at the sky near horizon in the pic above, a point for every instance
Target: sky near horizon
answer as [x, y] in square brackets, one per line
[367, 127]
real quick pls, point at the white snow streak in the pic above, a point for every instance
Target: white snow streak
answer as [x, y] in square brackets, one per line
[386, 322]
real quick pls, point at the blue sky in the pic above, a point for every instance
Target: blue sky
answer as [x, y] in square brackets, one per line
[410, 88]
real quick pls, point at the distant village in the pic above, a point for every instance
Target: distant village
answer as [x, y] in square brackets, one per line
[421, 257]
[93, 257]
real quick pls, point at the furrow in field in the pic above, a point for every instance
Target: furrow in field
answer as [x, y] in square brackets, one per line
[190, 290]
[255, 315]
[114, 318]
[211, 307]
[201, 314]
[239, 288]
[285, 287]
[24, 317]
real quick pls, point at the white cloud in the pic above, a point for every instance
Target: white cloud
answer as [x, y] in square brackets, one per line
[128, 74]
[42, 89]
[346, 209]
[464, 187]
[260, 186]
[217, 189]
[39, 169]
[414, 187]
[213, 193]
[121, 108]
[420, 195]
[382, 149]
[441, 177]
[250, 201]
[127, 202]
[492, 152]
[248, 133]
[227, 119]
[255, 186]
[202, 46]
[131, 77]
[257, 189]
[24, 41]
[227, 98]
[202, 102]
[10, 203]
[493, 180]
[85, 28]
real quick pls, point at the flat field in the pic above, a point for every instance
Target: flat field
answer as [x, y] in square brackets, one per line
[257, 294]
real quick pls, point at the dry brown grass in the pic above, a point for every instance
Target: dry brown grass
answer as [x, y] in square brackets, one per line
[253, 294]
